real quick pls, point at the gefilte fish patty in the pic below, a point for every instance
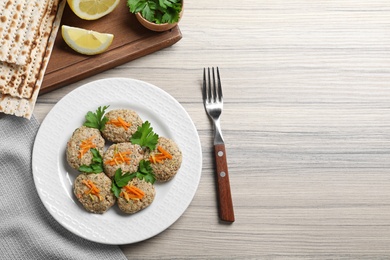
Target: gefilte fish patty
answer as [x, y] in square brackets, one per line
[167, 168]
[116, 132]
[131, 206]
[78, 148]
[122, 155]
[85, 187]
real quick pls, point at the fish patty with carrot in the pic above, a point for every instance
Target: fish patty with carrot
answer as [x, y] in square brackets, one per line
[121, 125]
[78, 150]
[135, 196]
[165, 159]
[93, 191]
[125, 156]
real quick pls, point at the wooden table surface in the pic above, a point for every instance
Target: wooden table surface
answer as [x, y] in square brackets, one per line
[306, 123]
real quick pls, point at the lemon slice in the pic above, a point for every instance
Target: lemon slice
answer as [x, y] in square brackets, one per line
[92, 9]
[86, 41]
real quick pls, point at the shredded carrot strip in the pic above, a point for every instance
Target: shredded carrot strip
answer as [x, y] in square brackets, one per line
[86, 145]
[132, 192]
[92, 189]
[119, 157]
[135, 190]
[119, 122]
[159, 157]
[164, 152]
[124, 195]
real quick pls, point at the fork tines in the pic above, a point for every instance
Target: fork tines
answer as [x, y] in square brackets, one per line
[212, 91]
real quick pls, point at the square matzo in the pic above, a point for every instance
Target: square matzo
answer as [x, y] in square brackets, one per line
[20, 106]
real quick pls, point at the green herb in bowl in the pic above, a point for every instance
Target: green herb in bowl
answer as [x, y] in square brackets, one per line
[157, 11]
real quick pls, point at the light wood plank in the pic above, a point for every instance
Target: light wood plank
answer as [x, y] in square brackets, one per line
[306, 124]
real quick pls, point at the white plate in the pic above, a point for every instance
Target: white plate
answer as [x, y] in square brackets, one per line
[54, 178]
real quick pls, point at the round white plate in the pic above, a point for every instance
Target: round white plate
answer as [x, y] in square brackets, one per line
[54, 178]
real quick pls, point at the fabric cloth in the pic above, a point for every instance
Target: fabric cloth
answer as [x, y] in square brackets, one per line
[27, 230]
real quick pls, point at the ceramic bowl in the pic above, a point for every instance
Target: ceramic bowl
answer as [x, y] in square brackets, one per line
[158, 27]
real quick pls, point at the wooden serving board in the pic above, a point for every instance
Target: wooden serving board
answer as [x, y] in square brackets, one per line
[131, 41]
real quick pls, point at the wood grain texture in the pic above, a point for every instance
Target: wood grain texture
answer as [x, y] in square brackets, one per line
[306, 123]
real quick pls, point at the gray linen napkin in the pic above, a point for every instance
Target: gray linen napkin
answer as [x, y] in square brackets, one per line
[27, 230]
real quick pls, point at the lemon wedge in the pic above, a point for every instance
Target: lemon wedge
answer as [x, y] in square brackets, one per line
[92, 9]
[86, 41]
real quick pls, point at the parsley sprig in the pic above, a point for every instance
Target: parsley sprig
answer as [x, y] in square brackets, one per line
[157, 11]
[97, 163]
[96, 120]
[144, 172]
[144, 136]
[119, 181]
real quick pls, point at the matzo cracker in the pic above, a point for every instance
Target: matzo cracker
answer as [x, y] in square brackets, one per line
[23, 107]
[20, 81]
[19, 24]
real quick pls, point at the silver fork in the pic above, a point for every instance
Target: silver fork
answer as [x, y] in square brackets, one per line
[213, 103]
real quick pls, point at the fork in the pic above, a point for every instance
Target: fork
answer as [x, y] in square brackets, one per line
[213, 103]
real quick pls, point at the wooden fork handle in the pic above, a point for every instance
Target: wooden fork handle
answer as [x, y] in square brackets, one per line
[225, 203]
